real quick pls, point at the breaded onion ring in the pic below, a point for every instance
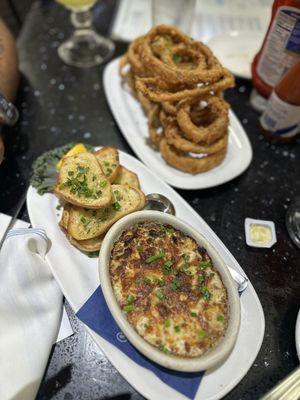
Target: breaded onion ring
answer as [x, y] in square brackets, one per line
[145, 103]
[186, 162]
[156, 130]
[150, 88]
[174, 138]
[170, 75]
[134, 56]
[166, 119]
[204, 67]
[218, 109]
[169, 108]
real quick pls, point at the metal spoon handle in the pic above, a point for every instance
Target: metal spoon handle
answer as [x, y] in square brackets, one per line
[241, 281]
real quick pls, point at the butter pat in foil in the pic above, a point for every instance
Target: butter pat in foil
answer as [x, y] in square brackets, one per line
[260, 233]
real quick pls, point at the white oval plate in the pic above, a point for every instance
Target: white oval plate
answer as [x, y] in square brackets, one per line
[78, 278]
[236, 50]
[133, 125]
[297, 335]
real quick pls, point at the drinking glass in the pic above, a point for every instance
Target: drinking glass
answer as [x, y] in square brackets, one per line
[292, 221]
[85, 48]
[174, 12]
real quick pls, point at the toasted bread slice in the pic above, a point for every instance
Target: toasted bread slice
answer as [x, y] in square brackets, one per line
[127, 177]
[88, 245]
[108, 158]
[63, 223]
[81, 182]
[86, 224]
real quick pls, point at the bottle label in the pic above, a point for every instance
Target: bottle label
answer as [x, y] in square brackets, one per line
[282, 46]
[280, 118]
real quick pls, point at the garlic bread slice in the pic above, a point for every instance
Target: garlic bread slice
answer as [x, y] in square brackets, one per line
[86, 224]
[127, 177]
[108, 158]
[63, 223]
[88, 245]
[81, 182]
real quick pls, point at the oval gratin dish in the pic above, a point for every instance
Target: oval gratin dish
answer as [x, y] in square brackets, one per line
[212, 357]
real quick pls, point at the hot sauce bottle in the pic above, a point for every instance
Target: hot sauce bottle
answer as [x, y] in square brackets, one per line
[280, 49]
[281, 118]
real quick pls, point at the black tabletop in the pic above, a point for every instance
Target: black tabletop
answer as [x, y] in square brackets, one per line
[60, 104]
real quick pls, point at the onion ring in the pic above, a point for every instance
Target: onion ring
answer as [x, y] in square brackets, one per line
[145, 103]
[187, 163]
[154, 127]
[170, 74]
[149, 87]
[169, 108]
[205, 134]
[134, 56]
[207, 67]
[174, 138]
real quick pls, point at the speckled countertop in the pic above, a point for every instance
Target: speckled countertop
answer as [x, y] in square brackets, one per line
[60, 104]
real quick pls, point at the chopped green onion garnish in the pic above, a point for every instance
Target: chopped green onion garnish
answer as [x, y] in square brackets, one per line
[193, 314]
[176, 58]
[167, 323]
[117, 206]
[130, 298]
[170, 230]
[175, 285]
[167, 267]
[204, 264]
[163, 348]
[201, 334]
[159, 281]
[220, 318]
[157, 256]
[160, 295]
[206, 293]
[128, 308]
[177, 328]
[147, 280]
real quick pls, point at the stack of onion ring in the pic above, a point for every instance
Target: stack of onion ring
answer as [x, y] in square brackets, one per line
[179, 83]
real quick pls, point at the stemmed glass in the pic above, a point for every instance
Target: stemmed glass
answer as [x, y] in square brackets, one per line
[292, 221]
[85, 48]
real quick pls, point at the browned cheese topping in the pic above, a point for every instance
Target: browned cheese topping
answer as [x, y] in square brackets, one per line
[169, 289]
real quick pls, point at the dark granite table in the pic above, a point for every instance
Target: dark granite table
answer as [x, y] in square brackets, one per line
[59, 104]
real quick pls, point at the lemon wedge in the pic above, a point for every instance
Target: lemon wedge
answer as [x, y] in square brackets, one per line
[78, 148]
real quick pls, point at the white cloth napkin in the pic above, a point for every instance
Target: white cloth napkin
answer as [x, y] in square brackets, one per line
[30, 313]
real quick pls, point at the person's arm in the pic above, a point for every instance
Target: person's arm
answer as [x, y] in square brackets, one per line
[9, 74]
